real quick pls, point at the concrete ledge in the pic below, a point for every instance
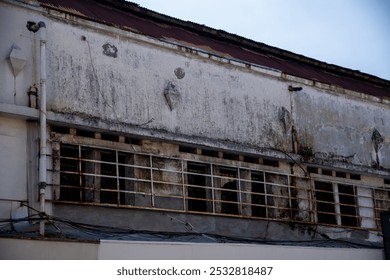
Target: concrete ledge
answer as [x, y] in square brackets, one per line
[20, 112]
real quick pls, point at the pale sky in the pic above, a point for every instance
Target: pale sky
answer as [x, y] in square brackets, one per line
[351, 33]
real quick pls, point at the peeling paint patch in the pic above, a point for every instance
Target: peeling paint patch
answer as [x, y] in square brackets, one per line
[377, 141]
[110, 50]
[172, 96]
[285, 118]
[179, 72]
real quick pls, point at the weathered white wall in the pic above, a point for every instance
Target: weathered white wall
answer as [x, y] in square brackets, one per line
[13, 164]
[218, 101]
[215, 100]
[341, 127]
[13, 20]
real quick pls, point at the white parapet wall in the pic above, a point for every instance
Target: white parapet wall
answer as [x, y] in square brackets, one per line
[12, 249]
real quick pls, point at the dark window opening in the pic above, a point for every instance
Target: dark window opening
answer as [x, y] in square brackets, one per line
[126, 184]
[311, 169]
[187, 149]
[96, 175]
[270, 162]
[229, 194]
[85, 133]
[108, 180]
[110, 137]
[382, 203]
[386, 181]
[60, 129]
[197, 195]
[70, 174]
[341, 174]
[229, 198]
[90, 167]
[209, 153]
[327, 172]
[251, 159]
[258, 195]
[354, 176]
[348, 209]
[132, 141]
[325, 203]
[231, 156]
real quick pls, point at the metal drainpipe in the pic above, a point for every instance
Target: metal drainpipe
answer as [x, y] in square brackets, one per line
[43, 136]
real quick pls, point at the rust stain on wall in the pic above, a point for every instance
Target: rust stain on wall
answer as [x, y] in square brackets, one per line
[110, 50]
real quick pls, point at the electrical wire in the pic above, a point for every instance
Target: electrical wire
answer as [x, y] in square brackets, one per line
[100, 232]
[300, 166]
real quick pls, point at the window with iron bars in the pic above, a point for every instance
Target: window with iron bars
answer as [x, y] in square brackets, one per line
[112, 177]
[382, 203]
[336, 204]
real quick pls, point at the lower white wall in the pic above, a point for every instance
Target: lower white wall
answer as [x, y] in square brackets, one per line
[110, 249]
[12, 249]
[27, 249]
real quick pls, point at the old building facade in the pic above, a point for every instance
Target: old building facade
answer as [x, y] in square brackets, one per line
[121, 123]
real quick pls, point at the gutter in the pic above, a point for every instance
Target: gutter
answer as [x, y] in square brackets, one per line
[43, 136]
[42, 181]
[41, 27]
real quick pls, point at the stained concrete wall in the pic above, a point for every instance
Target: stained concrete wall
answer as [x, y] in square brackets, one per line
[218, 101]
[340, 128]
[97, 73]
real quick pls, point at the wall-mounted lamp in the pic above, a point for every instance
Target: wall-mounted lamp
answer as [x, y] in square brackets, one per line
[32, 97]
[291, 88]
[34, 26]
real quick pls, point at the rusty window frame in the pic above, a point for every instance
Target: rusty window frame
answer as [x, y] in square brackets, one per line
[284, 211]
[381, 203]
[198, 179]
[336, 195]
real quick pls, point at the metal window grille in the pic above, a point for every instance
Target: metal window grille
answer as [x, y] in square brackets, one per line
[102, 176]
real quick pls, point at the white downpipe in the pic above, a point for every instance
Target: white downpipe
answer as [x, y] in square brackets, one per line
[43, 136]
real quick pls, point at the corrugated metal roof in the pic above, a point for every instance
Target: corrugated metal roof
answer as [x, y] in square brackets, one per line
[130, 16]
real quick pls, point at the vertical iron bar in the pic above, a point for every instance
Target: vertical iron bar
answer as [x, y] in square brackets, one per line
[80, 175]
[289, 196]
[212, 186]
[265, 196]
[239, 191]
[183, 185]
[337, 203]
[117, 178]
[313, 205]
[151, 179]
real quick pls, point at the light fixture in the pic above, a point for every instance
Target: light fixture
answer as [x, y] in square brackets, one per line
[291, 88]
[34, 27]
